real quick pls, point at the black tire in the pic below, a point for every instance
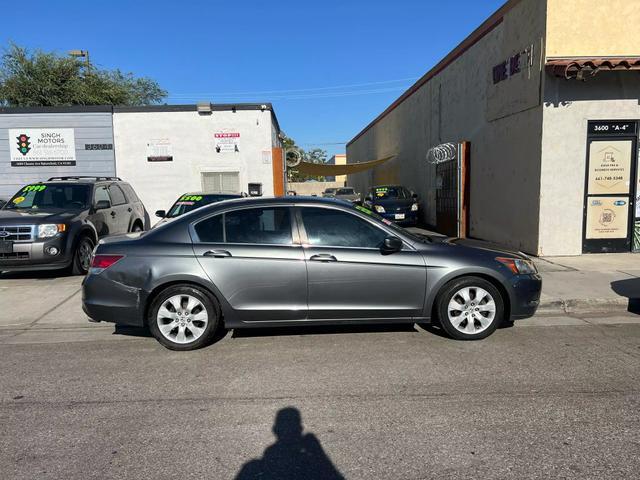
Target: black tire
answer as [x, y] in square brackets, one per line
[211, 308]
[452, 289]
[136, 228]
[81, 263]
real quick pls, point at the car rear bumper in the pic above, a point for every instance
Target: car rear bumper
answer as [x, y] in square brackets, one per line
[106, 300]
[526, 296]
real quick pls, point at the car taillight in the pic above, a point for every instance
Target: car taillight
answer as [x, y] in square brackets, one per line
[104, 261]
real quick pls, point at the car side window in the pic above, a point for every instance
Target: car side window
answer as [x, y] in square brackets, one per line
[210, 230]
[130, 193]
[101, 194]
[335, 228]
[117, 195]
[267, 226]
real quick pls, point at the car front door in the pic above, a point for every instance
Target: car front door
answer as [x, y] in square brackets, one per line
[349, 277]
[256, 262]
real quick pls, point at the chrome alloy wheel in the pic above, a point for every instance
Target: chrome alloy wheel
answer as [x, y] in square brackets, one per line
[85, 252]
[182, 319]
[471, 310]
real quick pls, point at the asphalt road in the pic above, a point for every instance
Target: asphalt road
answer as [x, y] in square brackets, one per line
[557, 398]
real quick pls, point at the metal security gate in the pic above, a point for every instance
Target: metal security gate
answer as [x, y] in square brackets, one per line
[610, 186]
[220, 182]
[452, 187]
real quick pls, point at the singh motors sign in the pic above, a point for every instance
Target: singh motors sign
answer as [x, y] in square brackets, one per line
[38, 147]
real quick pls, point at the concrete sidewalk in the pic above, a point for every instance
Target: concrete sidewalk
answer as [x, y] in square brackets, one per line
[603, 283]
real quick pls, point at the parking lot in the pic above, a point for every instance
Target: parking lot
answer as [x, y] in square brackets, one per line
[550, 397]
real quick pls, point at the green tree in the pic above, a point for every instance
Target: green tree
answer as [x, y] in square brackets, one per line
[34, 79]
[316, 155]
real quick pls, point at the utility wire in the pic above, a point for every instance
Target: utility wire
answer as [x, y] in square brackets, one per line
[304, 92]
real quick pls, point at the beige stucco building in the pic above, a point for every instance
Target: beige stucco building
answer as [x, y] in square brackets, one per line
[547, 93]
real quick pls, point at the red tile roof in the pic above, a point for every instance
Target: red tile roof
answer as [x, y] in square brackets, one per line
[583, 68]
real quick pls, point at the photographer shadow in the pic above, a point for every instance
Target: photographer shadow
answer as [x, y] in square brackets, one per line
[294, 455]
[629, 288]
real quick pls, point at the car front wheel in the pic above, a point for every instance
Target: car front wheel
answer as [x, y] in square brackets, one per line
[183, 317]
[470, 308]
[82, 256]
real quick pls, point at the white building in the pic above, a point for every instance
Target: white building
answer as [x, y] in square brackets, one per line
[163, 151]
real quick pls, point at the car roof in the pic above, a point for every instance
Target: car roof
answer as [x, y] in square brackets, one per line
[290, 199]
[230, 195]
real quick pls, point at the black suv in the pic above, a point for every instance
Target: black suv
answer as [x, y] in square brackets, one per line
[56, 224]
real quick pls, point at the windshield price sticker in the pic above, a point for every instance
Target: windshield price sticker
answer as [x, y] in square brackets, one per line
[34, 188]
[18, 200]
[185, 203]
[190, 198]
[364, 210]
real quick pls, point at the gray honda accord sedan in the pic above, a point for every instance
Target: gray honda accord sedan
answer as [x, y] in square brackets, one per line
[257, 262]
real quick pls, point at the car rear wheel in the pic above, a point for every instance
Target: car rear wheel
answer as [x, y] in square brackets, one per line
[183, 317]
[82, 256]
[470, 308]
[136, 228]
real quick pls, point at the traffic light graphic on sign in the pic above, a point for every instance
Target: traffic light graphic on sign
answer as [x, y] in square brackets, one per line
[23, 144]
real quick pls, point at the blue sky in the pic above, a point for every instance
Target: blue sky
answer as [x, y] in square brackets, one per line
[329, 67]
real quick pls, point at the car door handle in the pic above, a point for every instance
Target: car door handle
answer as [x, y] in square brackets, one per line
[323, 257]
[216, 253]
[113, 214]
[129, 209]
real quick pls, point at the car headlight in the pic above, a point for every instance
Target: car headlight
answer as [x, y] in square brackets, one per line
[518, 265]
[414, 207]
[48, 230]
[379, 208]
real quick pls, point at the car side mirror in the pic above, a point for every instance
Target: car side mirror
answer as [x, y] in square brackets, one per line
[414, 195]
[102, 204]
[391, 245]
[161, 213]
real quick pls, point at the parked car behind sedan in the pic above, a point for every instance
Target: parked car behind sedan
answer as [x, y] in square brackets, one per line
[190, 201]
[348, 194]
[56, 224]
[395, 203]
[261, 262]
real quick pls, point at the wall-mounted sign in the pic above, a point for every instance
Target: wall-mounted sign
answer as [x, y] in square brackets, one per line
[607, 217]
[612, 128]
[609, 167]
[159, 150]
[39, 147]
[227, 141]
[513, 65]
[98, 146]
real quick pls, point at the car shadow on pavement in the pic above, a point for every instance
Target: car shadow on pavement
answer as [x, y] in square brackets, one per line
[35, 275]
[294, 455]
[321, 330]
[629, 288]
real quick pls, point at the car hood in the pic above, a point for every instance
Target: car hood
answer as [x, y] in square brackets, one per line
[22, 217]
[489, 247]
[395, 202]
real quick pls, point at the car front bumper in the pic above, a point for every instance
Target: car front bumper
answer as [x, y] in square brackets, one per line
[410, 218]
[526, 295]
[32, 256]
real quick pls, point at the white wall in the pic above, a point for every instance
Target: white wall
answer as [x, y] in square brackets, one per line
[192, 138]
[569, 105]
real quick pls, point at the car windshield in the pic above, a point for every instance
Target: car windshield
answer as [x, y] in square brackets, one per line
[345, 191]
[389, 224]
[391, 192]
[189, 202]
[50, 196]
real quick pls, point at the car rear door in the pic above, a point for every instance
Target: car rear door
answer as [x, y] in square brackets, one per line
[120, 210]
[349, 277]
[254, 258]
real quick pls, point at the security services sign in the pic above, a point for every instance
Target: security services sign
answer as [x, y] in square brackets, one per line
[39, 147]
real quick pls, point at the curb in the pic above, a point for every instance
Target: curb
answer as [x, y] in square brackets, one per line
[584, 306]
